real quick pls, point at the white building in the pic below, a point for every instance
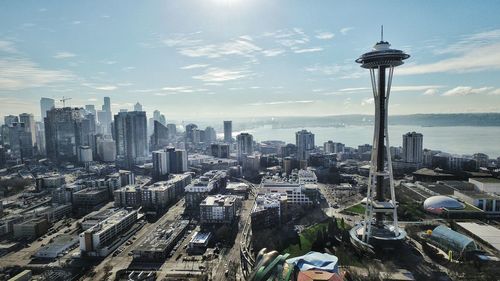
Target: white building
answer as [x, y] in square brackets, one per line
[305, 144]
[413, 148]
[307, 177]
[97, 240]
[296, 193]
[489, 185]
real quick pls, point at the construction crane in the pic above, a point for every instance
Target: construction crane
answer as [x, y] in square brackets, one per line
[64, 99]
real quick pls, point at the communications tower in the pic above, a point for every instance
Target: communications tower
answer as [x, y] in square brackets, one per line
[379, 229]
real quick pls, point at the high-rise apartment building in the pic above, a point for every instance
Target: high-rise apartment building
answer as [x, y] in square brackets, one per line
[46, 104]
[228, 131]
[63, 133]
[413, 151]
[131, 136]
[245, 145]
[305, 144]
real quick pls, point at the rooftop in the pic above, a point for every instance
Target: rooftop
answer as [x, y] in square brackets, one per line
[487, 180]
[485, 232]
[220, 200]
[200, 237]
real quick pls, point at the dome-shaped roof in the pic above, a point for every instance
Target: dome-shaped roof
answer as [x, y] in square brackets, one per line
[436, 204]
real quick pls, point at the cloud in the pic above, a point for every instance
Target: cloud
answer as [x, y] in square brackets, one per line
[404, 88]
[63, 55]
[465, 91]
[495, 92]
[215, 74]
[234, 47]
[367, 101]
[346, 71]
[7, 47]
[128, 68]
[19, 74]
[193, 66]
[282, 102]
[431, 92]
[323, 35]
[273, 52]
[76, 22]
[308, 50]
[345, 30]
[473, 53]
[100, 87]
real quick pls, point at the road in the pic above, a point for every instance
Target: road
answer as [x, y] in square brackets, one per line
[123, 260]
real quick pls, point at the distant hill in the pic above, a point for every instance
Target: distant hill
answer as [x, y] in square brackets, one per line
[427, 120]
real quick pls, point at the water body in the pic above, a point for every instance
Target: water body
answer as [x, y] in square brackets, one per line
[456, 140]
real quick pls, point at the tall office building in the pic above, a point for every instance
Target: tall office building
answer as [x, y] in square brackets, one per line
[228, 131]
[172, 130]
[105, 117]
[40, 137]
[46, 104]
[210, 135]
[160, 136]
[160, 164]
[91, 109]
[305, 144]
[138, 107]
[245, 145]
[63, 128]
[131, 136]
[10, 119]
[190, 132]
[20, 141]
[413, 151]
[29, 125]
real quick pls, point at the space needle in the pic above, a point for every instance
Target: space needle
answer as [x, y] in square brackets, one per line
[379, 229]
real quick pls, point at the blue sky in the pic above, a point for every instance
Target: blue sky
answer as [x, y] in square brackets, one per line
[237, 58]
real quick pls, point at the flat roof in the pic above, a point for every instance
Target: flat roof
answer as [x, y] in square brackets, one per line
[487, 180]
[485, 232]
[200, 237]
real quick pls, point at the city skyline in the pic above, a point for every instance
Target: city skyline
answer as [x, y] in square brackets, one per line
[299, 61]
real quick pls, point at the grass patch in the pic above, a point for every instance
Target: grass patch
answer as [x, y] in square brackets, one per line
[307, 237]
[356, 209]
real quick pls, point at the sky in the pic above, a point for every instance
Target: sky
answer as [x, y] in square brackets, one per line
[247, 58]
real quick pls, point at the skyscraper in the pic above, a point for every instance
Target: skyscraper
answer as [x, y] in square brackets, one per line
[413, 148]
[210, 135]
[46, 104]
[91, 109]
[190, 128]
[10, 119]
[228, 131]
[29, 125]
[131, 136]
[245, 145]
[160, 164]
[138, 107]
[63, 127]
[105, 117]
[160, 136]
[305, 144]
[20, 141]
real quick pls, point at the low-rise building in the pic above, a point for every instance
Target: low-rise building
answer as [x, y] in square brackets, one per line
[90, 199]
[219, 209]
[157, 196]
[98, 240]
[32, 228]
[199, 242]
[489, 185]
[267, 210]
[211, 182]
[158, 245]
[57, 247]
[296, 193]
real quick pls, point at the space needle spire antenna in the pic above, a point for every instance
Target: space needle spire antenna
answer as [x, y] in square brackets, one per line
[374, 232]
